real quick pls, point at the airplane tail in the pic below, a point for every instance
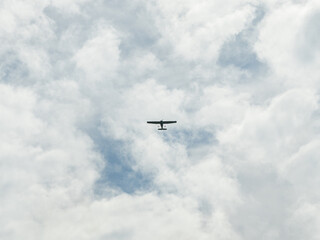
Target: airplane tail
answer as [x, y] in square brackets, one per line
[162, 129]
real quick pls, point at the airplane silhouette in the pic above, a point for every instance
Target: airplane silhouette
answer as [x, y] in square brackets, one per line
[161, 123]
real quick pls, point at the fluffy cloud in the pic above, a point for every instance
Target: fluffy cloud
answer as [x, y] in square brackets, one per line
[286, 44]
[42, 168]
[79, 80]
[99, 57]
[196, 31]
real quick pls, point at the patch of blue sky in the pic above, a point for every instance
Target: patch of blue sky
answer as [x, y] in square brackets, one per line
[239, 52]
[197, 142]
[191, 138]
[62, 21]
[118, 172]
[132, 21]
[12, 69]
[118, 235]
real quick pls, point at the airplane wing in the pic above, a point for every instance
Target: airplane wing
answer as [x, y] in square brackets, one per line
[168, 122]
[154, 122]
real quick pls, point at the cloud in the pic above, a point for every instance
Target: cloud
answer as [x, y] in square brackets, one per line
[194, 29]
[285, 44]
[280, 128]
[79, 80]
[42, 168]
[99, 57]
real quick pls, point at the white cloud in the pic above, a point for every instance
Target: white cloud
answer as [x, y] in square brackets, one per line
[68, 6]
[99, 57]
[272, 134]
[306, 215]
[221, 107]
[286, 36]
[25, 33]
[196, 31]
[43, 166]
[241, 162]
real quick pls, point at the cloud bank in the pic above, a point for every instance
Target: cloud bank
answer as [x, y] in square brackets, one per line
[80, 78]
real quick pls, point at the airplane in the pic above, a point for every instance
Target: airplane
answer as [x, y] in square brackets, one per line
[161, 123]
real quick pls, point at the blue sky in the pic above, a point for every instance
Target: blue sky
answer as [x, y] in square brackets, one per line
[80, 78]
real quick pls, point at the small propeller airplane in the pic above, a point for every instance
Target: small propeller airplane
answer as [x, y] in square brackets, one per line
[161, 123]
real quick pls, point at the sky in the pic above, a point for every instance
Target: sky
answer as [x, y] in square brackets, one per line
[80, 78]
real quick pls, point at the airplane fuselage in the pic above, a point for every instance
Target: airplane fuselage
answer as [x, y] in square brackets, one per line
[161, 126]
